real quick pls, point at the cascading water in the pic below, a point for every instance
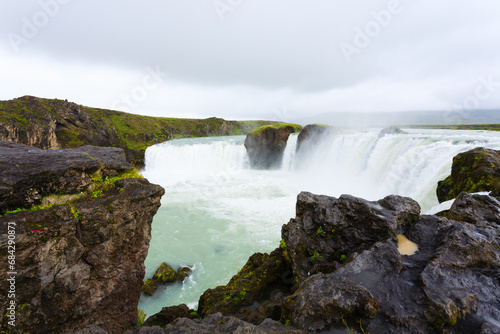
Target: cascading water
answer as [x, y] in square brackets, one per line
[216, 212]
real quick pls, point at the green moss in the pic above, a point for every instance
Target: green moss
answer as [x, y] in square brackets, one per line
[76, 213]
[315, 256]
[320, 230]
[258, 131]
[141, 317]
[283, 244]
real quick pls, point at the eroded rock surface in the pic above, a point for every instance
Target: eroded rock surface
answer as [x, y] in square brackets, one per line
[265, 145]
[472, 171]
[80, 263]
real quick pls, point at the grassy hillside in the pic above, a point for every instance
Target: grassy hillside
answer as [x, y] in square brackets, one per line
[488, 127]
[29, 120]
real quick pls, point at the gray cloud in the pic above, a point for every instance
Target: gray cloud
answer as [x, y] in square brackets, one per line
[264, 54]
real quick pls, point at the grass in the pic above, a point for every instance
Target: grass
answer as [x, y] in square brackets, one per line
[133, 133]
[97, 188]
[141, 317]
[487, 127]
[277, 126]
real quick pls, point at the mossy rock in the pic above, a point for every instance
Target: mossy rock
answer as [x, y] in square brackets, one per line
[149, 288]
[472, 171]
[264, 275]
[183, 273]
[165, 274]
[278, 126]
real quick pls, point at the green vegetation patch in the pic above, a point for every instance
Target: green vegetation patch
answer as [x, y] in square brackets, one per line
[278, 126]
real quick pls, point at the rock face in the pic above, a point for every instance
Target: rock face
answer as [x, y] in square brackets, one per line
[310, 135]
[80, 263]
[218, 324]
[27, 173]
[265, 145]
[54, 124]
[339, 266]
[472, 171]
[327, 231]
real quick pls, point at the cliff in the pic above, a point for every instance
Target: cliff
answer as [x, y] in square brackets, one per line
[81, 234]
[265, 145]
[476, 170]
[54, 124]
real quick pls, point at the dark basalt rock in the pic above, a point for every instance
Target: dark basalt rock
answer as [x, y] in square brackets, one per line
[323, 300]
[472, 171]
[310, 135]
[475, 209]
[169, 314]
[27, 174]
[265, 145]
[163, 275]
[255, 293]
[327, 230]
[81, 263]
[219, 324]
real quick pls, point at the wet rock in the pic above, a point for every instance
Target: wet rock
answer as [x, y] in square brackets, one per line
[27, 174]
[475, 209]
[391, 131]
[462, 277]
[327, 230]
[255, 293]
[183, 273]
[326, 299]
[149, 287]
[219, 324]
[169, 314]
[472, 171]
[265, 145]
[163, 275]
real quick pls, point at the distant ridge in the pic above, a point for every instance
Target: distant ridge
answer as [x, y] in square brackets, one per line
[54, 124]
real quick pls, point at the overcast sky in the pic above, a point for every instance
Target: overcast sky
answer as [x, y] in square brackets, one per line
[247, 59]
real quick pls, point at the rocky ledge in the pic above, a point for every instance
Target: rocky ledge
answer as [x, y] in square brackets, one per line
[341, 267]
[79, 254]
[472, 171]
[266, 144]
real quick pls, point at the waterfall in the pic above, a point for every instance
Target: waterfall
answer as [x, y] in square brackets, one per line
[289, 153]
[216, 211]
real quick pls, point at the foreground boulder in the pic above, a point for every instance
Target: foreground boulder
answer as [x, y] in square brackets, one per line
[327, 230]
[472, 171]
[79, 263]
[266, 144]
[218, 324]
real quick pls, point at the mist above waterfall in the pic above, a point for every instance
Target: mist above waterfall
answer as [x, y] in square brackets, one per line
[217, 211]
